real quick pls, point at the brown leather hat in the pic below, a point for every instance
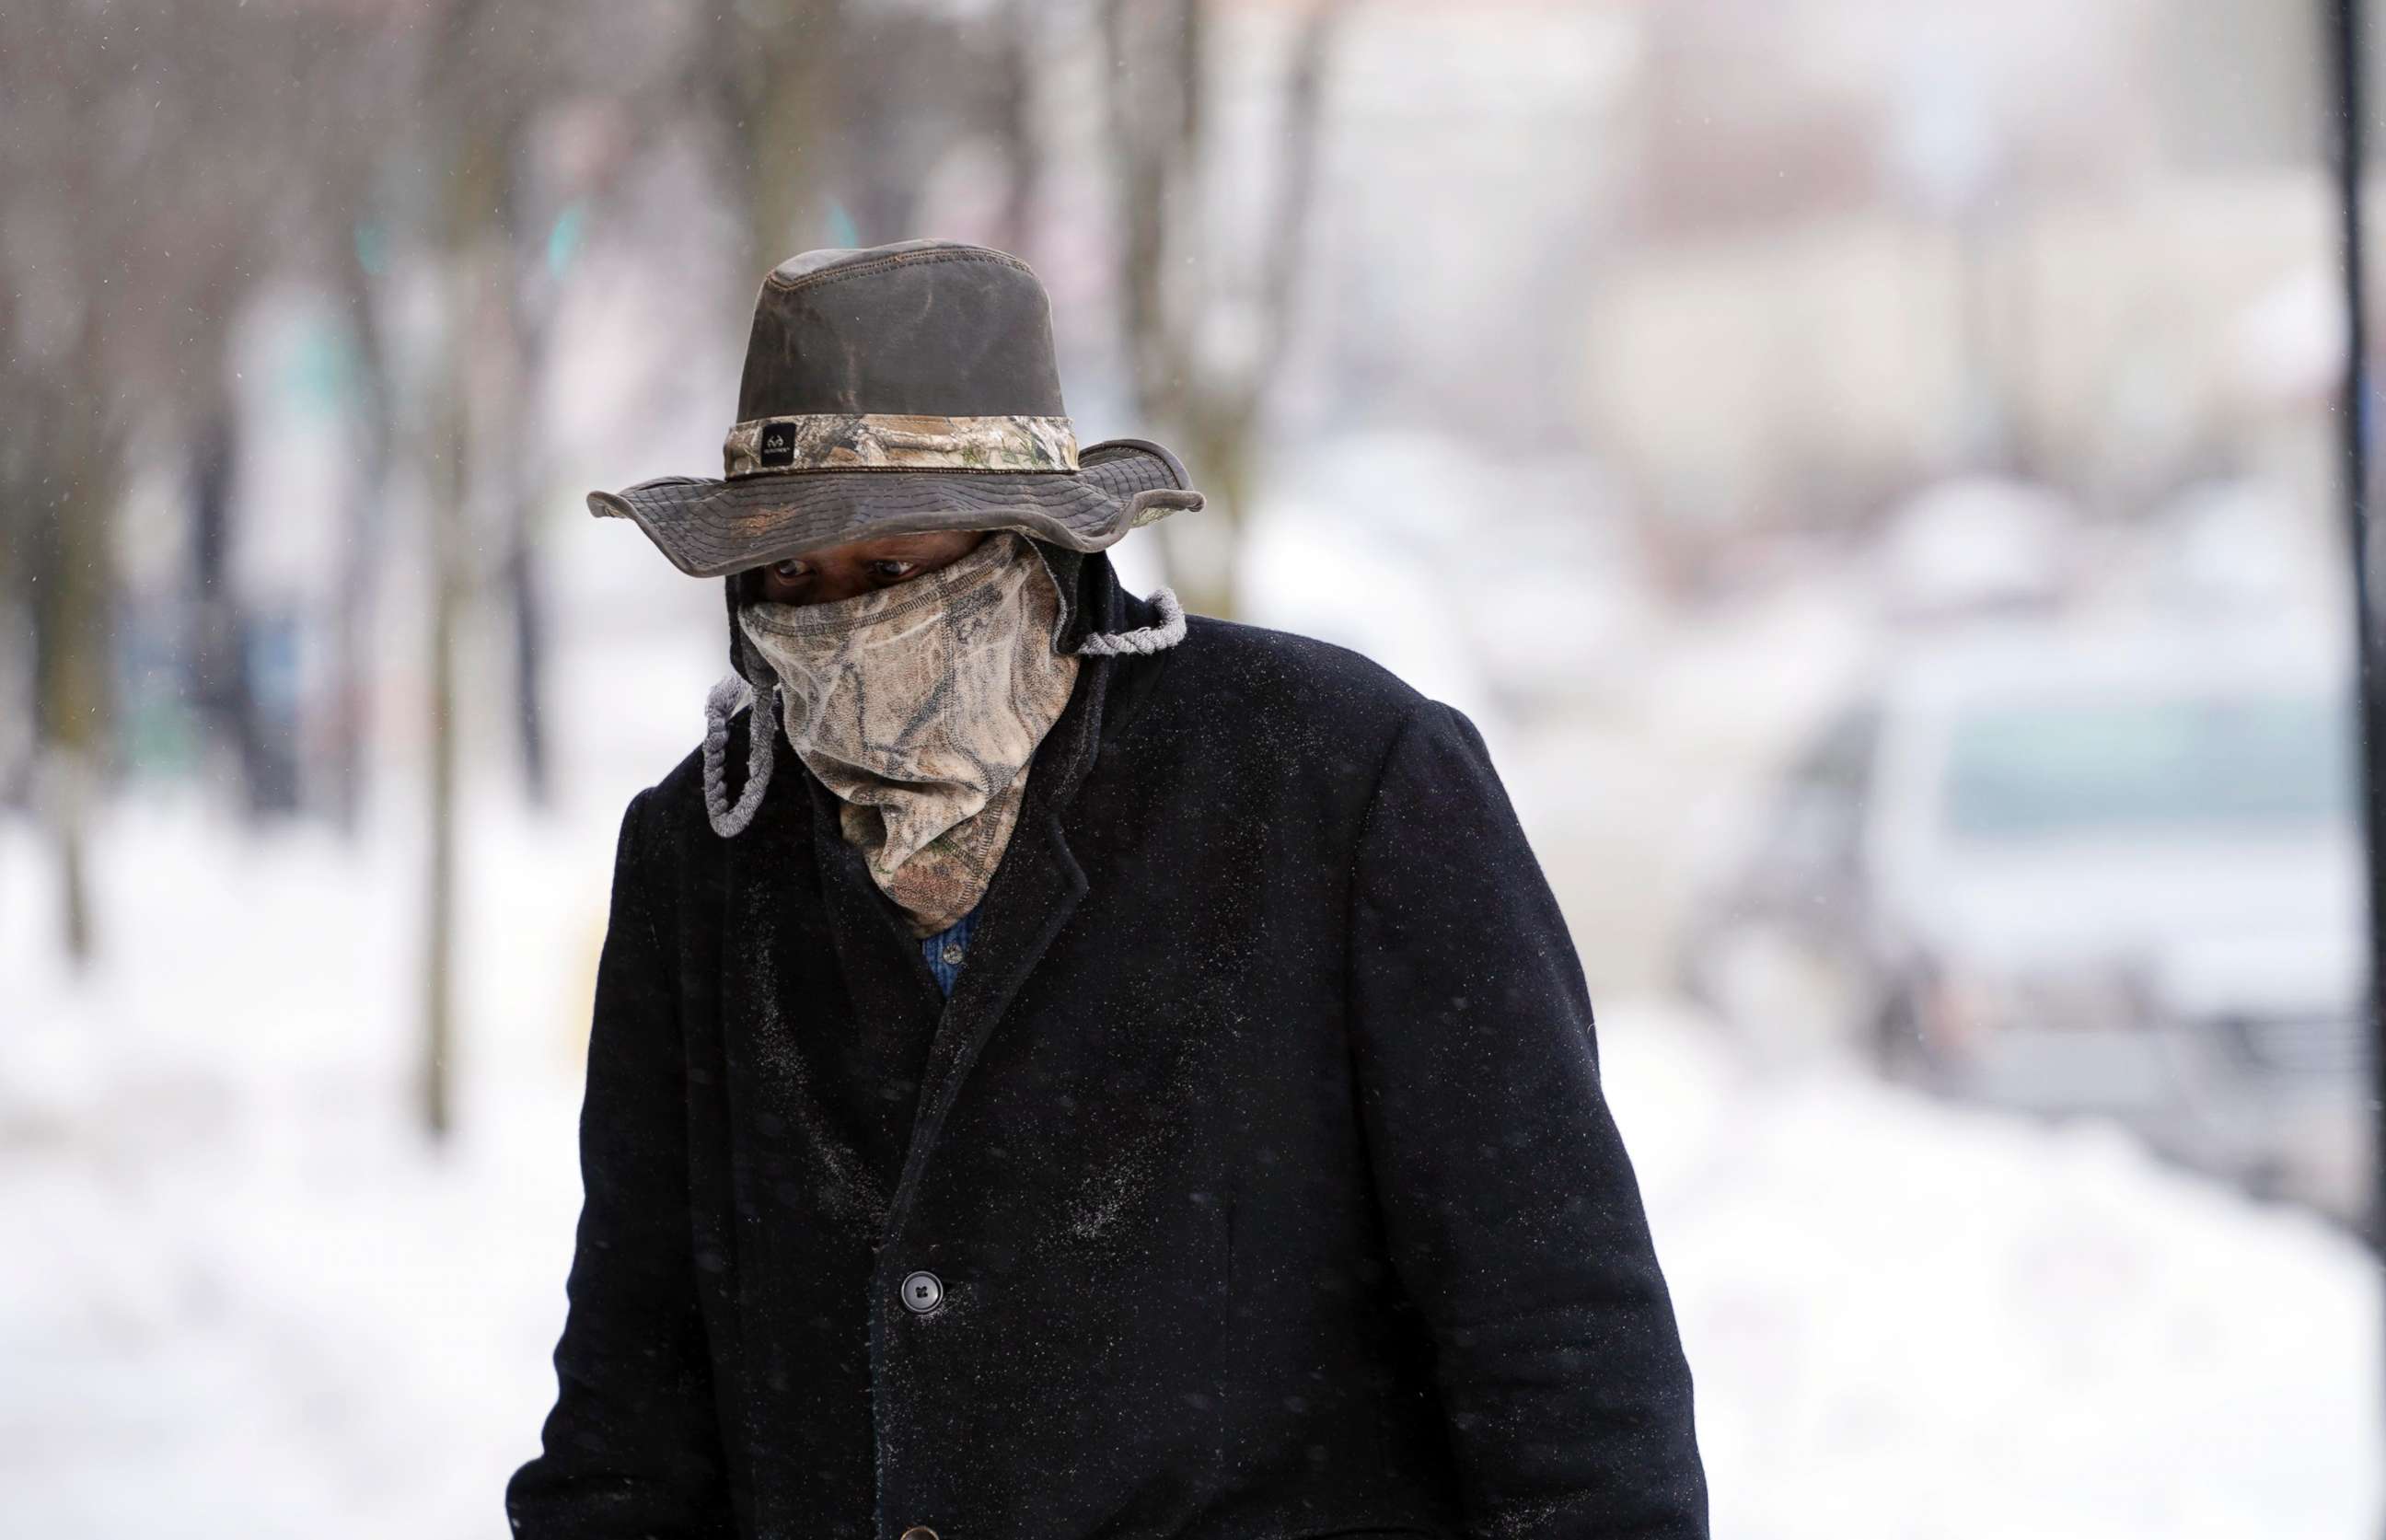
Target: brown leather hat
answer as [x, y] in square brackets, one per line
[894, 389]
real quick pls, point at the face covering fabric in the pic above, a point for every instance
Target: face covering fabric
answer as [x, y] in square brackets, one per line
[920, 706]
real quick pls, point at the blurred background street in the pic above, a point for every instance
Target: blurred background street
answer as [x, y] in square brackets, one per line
[1871, 472]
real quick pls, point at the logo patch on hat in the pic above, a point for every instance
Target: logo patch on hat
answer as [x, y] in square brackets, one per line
[778, 446]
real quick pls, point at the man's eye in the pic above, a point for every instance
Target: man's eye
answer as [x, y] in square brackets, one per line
[790, 570]
[888, 570]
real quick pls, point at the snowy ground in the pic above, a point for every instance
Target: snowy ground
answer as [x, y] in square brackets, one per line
[245, 1300]
[1910, 1321]
[254, 1303]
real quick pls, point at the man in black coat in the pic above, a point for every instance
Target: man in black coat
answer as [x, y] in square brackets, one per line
[1169, 1112]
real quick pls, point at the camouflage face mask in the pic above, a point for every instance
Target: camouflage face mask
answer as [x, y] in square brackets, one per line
[920, 707]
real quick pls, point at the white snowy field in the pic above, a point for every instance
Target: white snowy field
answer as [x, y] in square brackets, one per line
[244, 1297]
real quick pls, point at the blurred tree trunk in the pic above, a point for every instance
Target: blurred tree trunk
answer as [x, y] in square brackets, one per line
[20, 490]
[1152, 137]
[215, 669]
[519, 468]
[468, 164]
[69, 582]
[526, 602]
[369, 416]
[772, 66]
[450, 483]
[1014, 123]
[77, 211]
[1171, 270]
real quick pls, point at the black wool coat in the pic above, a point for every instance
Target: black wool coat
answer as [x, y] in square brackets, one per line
[1259, 1160]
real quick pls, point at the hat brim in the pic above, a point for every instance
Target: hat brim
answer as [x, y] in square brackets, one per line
[709, 526]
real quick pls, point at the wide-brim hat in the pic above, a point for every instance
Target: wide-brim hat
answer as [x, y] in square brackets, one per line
[895, 390]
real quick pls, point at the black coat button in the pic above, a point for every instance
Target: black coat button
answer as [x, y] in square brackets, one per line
[922, 1292]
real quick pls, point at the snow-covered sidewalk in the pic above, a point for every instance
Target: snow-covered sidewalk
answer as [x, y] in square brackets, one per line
[1911, 1319]
[246, 1296]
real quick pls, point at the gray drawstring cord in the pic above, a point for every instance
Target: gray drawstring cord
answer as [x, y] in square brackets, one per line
[762, 728]
[1143, 639]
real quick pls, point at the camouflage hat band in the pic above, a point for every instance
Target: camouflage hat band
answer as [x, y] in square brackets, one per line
[860, 441]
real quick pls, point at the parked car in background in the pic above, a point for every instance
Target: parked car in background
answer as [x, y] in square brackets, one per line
[2080, 868]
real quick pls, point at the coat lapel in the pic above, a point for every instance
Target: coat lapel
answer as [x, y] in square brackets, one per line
[1035, 888]
[825, 1004]
[883, 968]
